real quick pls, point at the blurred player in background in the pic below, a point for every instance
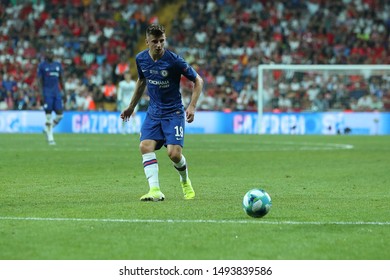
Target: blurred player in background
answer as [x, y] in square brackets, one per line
[126, 89]
[160, 71]
[50, 84]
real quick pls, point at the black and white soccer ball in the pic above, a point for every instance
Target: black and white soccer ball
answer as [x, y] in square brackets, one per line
[256, 203]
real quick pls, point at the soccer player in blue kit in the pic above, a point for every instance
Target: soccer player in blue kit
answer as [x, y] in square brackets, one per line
[160, 70]
[49, 81]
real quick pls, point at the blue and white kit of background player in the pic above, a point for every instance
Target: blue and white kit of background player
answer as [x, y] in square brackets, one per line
[49, 73]
[165, 119]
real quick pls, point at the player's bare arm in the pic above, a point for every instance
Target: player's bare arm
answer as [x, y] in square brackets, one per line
[139, 90]
[39, 83]
[62, 83]
[198, 86]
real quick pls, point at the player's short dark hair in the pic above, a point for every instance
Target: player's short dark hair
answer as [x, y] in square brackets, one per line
[155, 29]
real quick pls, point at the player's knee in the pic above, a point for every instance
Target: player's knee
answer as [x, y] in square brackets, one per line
[146, 147]
[174, 155]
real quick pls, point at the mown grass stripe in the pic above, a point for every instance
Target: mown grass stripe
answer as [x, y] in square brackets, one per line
[252, 221]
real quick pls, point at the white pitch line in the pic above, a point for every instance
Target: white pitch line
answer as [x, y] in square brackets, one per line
[250, 221]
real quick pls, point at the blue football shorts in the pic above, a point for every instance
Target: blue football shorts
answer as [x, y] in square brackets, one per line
[53, 101]
[169, 131]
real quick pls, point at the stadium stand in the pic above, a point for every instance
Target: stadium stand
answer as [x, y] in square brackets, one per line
[224, 39]
[89, 37]
[228, 39]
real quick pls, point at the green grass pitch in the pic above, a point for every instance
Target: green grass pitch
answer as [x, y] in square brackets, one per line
[79, 200]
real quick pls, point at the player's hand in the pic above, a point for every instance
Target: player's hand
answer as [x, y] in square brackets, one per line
[190, 114]
[126, 114]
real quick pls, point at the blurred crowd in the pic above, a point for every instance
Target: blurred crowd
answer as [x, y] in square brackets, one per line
[94, 40]
[228, 39]
[225, 40]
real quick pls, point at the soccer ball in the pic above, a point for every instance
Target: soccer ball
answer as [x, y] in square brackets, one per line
[256, 203]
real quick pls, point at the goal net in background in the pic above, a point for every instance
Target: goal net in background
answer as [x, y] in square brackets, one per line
[321, 88]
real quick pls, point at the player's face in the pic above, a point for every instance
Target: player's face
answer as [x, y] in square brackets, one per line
[49, 56]
[156, 44]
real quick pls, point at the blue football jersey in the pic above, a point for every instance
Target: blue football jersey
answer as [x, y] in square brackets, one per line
[50, 74]
[163, 81]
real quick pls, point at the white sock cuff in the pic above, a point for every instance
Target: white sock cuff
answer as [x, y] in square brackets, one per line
[181, 163]
[148, 156]
[58, 118]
